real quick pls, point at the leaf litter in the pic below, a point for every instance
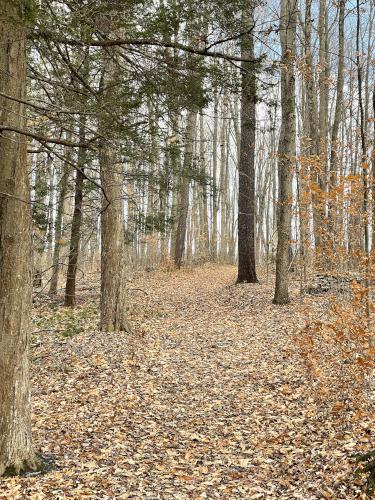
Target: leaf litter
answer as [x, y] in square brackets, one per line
[208, 398]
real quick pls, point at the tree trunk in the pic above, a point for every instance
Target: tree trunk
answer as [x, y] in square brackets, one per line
[59, 229]
[183, 202]
[246, 168]
[214, 206]
[321, 226]
[336, 124]
[364, 166]
[16, 452]
[311, 97]
[323, 85]
[113, 296]
[205, 238]
[311, 122]
[373, 175]
[224, 148]
[175, 161]
[288, 16]
[70, 288]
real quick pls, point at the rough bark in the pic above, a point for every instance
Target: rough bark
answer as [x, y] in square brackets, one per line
[286, 150]
[113, 294]
[16, 451]
[246, 167]
[113, 313]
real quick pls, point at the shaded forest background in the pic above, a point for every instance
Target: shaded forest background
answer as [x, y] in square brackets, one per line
[169, 120]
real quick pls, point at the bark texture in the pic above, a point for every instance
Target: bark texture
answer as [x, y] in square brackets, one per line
[16, 452]
[113, 275]
[246, 168]
[113, 296]
[288, 18]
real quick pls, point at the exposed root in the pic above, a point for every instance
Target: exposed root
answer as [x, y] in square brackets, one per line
[34, 464]
[126, 327]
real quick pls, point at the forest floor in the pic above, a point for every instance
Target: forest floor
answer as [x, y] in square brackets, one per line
[208, 398]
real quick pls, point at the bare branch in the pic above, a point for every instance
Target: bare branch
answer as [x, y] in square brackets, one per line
[46, 140]
[144, 41]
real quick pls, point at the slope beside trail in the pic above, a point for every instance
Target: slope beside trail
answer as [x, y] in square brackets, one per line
[207, 398]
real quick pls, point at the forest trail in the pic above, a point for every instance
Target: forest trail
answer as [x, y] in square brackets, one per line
[207, 398]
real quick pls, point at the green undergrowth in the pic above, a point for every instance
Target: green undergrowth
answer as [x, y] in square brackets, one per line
[65, 321]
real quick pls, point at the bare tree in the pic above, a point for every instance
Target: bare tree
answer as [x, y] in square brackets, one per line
[287, 145]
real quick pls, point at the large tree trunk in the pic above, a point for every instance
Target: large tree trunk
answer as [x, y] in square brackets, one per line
[112, 297]
[113, 317]
[246, 168]
[288, 17]
[16, 452]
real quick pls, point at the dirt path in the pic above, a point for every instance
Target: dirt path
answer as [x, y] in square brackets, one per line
[207, 399]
